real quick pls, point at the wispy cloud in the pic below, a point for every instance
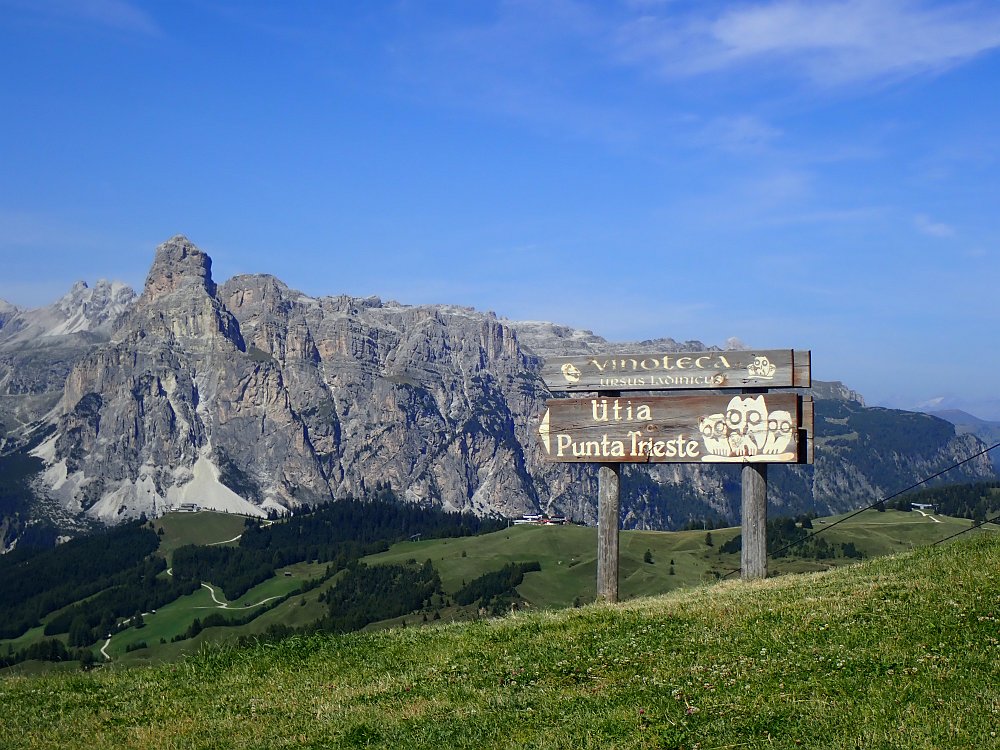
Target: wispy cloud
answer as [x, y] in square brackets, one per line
[829, 41]
[932, 228]
[112, 14]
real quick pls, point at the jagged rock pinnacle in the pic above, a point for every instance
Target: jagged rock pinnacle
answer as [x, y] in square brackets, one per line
[178, 263]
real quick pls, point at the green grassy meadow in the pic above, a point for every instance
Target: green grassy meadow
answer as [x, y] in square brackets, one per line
[567, 555]
[901, 651]
[174, 618]
[203, 527]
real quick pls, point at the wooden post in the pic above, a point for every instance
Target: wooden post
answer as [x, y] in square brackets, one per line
[753, 559]
[753, 511]
[608, 521]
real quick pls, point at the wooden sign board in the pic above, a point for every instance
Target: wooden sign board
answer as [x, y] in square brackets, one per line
[771, 368]
[710, 428]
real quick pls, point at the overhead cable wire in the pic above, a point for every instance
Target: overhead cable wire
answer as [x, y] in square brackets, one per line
[974, 526]
[884, 500]
[877, 502]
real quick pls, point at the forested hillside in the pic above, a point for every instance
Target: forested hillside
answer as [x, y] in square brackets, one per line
[95, 586]
[977, 501]
[149, 591]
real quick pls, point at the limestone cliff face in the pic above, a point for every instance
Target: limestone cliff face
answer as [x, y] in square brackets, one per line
[437, 400]
[174, 409]
[39, 347]
[250, 396]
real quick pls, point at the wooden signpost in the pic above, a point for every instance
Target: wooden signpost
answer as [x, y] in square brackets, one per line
[677, 429]
[754, 428]
[781, 368]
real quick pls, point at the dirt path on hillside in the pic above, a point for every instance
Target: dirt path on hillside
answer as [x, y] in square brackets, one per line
[226, 605]
[220, 604]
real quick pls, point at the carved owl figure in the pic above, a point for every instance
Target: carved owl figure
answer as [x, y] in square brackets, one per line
[746, 422]
[761, 367]
[714, 434]
[779, 432]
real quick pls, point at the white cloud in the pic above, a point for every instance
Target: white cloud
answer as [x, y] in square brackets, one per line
[828, 41]
[928, 226]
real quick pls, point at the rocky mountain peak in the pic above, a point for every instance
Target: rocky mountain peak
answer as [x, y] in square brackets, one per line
[85, 308]
[7, 311]
[836, 391]
[82, 310]
[178, 264]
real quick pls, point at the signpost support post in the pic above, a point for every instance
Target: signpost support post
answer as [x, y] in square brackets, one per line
[753, 512]
[753, 558]
[608, 522]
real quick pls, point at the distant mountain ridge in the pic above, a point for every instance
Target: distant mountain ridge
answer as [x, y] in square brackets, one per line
[959, 417]
[249, 396]
[968, 424]
[82, 309]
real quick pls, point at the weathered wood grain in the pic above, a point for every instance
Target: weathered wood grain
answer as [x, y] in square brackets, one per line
[703, 428]
[753, 554]
[769, 368]
[608, 523]
[807, 454]
[802, 368]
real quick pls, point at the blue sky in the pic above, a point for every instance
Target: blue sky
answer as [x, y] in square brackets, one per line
[816, 174]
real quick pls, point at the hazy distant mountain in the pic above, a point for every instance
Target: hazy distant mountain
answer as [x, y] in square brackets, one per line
[961, 418]
[7, 311]
[967, 424]
[38, 347]
[250, 396]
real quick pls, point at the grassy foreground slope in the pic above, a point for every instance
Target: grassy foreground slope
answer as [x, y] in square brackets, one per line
[900, 651]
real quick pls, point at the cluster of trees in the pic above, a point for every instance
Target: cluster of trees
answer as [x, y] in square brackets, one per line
[16, 472]
[234, 569]
[786, 537]
[902, 432]
[367, 594]
[713, 522]
[140, 589]
[677, 504]
[497, 589]
[337, 533]
[378, 517]
[217, 619]
[48, 649]
[112, 576]
[33, 585]
[977, 501]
